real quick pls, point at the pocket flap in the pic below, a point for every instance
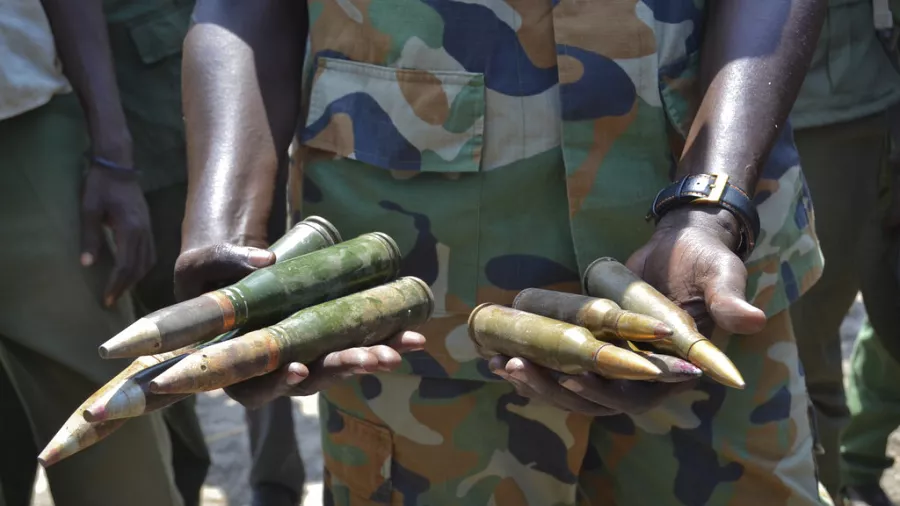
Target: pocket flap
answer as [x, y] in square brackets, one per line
[162, 35]
[398, 119]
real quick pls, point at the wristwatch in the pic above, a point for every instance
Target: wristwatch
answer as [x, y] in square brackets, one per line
[711, 190]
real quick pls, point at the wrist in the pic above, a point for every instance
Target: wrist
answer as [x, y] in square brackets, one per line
[719, 222]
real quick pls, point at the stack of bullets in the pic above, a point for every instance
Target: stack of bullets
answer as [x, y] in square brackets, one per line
[623, 329]
[324, 295]
[321, 295]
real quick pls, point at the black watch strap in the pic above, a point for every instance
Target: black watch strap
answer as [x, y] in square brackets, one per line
[712, 190]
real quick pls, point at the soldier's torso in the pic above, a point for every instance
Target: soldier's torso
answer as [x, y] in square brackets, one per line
[508, 144]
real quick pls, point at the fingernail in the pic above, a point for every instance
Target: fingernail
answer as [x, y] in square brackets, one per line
[260, 258]
[515, 364]
[570, 384]
[87, 259]
[293, 378]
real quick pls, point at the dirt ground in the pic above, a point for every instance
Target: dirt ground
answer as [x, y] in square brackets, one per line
[223, 423]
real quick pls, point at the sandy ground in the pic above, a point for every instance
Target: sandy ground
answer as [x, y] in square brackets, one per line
[223, 423]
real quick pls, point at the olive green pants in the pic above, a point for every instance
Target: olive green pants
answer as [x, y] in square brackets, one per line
[841, 163]
[273, 445]
[874, 402]
[52, 321]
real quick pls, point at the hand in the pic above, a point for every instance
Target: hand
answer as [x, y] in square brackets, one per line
[117, 200]
[587, 393]
[299, 380]
[206, 268]
[690, 259]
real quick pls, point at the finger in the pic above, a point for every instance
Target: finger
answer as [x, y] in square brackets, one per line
[341, 365]
[407, 341]
[91, 229]
[724, 291]
[124, 272]
[626, 396]
[196, 269]
[261, 390]
[544, 388]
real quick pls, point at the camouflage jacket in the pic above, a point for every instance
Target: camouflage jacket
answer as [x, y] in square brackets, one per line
[470, 87]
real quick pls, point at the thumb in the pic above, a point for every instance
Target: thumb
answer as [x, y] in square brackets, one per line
[724, 291]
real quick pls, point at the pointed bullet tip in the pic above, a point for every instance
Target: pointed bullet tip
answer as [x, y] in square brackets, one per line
[662, 330]
[93, 414]
[716, 364]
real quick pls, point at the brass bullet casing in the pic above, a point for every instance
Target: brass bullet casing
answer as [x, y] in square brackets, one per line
[609, 279]
[360, 319]
[553, 344]
[264, 296]
[603, 317]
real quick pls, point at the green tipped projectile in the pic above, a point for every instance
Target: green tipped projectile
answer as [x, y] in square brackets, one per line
[603, 317]
[130, 397]
[264, 296]
[554, 344]
[610, 279]
[80, 431]
[360, 319]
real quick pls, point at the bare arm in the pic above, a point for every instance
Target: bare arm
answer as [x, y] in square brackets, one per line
[241, 87]
[754, 59]
[112, 196]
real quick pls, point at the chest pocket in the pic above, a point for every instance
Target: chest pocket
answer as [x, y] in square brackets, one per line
[397, 119]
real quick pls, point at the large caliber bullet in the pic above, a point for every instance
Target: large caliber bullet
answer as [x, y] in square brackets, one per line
[551, 343]
[610, 279]
[361, 319]
[80, 432]
[603, 317]
[264, 296]
[129, 397]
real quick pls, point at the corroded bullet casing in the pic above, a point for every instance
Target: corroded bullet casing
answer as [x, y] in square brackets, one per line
[551, 343]
[126, 395]
[360, 319]
[264, 296]
[609, 279]
[603, 317]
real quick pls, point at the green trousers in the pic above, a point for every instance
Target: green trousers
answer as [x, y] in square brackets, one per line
[842, 163]
[874, 402]
[52, 321]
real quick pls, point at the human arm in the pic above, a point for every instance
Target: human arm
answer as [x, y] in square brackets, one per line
[241, 84]
[110, 194]
[753, 61]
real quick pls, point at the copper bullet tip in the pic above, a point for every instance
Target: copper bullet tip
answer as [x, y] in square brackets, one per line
[715, 364]
[661, 330]
[623, 364]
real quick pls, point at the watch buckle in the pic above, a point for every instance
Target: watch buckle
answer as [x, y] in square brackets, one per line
[717, 188]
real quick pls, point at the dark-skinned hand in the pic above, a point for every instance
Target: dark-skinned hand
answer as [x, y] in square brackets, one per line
[306, 379]
[116, 199]
[205, 268]
[689, 259]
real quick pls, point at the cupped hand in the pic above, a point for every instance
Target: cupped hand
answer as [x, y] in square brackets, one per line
[116, 199]
[690, 258]
[297, 379]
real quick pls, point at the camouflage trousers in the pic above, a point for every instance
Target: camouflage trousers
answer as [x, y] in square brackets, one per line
[404, 439]
[443, 430]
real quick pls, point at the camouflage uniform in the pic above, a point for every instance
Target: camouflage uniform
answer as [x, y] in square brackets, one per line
[506, 145]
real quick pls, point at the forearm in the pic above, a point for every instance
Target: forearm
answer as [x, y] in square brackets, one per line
[241, 79]
[83, 47]
[754, 59]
